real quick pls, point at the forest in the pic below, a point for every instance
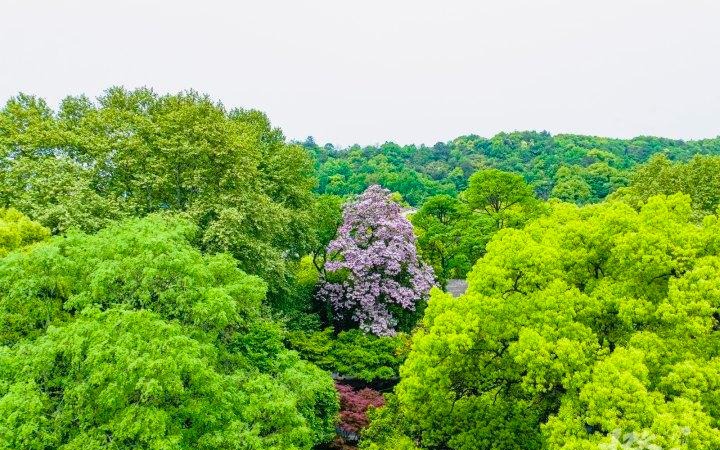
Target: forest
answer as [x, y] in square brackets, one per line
[175, 274]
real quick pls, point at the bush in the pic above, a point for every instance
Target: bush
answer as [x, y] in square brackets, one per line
[17, 231]
[352, 353]
[354, 405]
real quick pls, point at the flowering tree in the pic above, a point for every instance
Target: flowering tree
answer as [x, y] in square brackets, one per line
[374, 267]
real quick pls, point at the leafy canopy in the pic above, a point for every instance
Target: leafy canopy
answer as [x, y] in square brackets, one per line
[699, 178]
[133, 153]
[554, 165]
[17, 231]
[453, 232]
[132, 338]
[352, 353]
[587, 325]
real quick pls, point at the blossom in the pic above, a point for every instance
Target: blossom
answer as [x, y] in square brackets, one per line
[375, 253]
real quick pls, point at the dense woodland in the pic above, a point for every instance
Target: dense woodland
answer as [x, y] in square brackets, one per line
[175, 274]
[573, 168]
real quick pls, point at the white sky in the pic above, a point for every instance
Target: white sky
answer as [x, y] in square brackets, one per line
[368, 71]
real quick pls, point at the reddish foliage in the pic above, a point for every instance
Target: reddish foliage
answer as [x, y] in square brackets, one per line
[341, 444]
[354, 405]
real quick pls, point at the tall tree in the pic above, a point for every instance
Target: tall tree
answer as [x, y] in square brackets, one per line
[504, 196]
[450, 237]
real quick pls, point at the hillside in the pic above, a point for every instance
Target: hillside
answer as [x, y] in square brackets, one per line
[576, 168]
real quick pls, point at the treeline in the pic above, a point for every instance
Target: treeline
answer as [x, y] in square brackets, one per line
[574, 168]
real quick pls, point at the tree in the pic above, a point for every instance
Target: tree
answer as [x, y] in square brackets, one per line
[354, 405]
[419, 172]
[133, 338]
[352, 353]
[699, 178]
[571, 187]
[328, 218]
[57, 193]
[588, 324]
[374, 273]
[134, 153]
[452, 233]
[450, 237]
[505, 197]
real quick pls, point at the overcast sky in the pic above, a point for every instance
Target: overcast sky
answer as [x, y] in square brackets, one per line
[411, 71]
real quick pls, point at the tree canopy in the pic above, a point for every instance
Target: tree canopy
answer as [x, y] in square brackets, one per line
[588, 324]
[17, 231]
[452, 232]
[554, 165]
[699, 178]
[174, 274]
[375, 277]
[133, 153]
[133, 338]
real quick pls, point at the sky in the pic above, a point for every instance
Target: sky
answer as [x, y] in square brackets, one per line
[409, 71]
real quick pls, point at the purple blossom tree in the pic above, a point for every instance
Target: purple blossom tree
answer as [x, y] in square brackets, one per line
[374, 267]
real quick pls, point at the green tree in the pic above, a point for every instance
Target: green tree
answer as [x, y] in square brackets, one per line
[133, 153]
[419, 172]
[352, 353]
[327, 219]
[571, 187]
[450, 237]
[587, 324]
[132, 338]
[505, 197]
[699, 178]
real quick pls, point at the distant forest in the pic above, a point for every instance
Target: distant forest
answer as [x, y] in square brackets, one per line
[575, 168]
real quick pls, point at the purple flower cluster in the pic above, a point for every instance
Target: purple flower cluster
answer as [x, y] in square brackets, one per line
[375, 252]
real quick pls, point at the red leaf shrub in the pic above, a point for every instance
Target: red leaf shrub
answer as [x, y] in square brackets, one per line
[354, 405]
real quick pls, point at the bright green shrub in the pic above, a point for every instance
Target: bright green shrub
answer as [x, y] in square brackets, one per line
[352, 353]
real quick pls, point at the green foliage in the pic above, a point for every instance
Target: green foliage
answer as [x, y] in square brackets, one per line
[17, 231]
[588, 324]
[141, 323]
[571, 187]
[133, 153]
[418, 172]
[452, 232]
[352, 353]
[699, 178]
[132, 338]
[386, 425]
[128, 379]
[298, 307]
[327, 219]
[450, 237]
[351, 171]
[503, 196]
[141, 263]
